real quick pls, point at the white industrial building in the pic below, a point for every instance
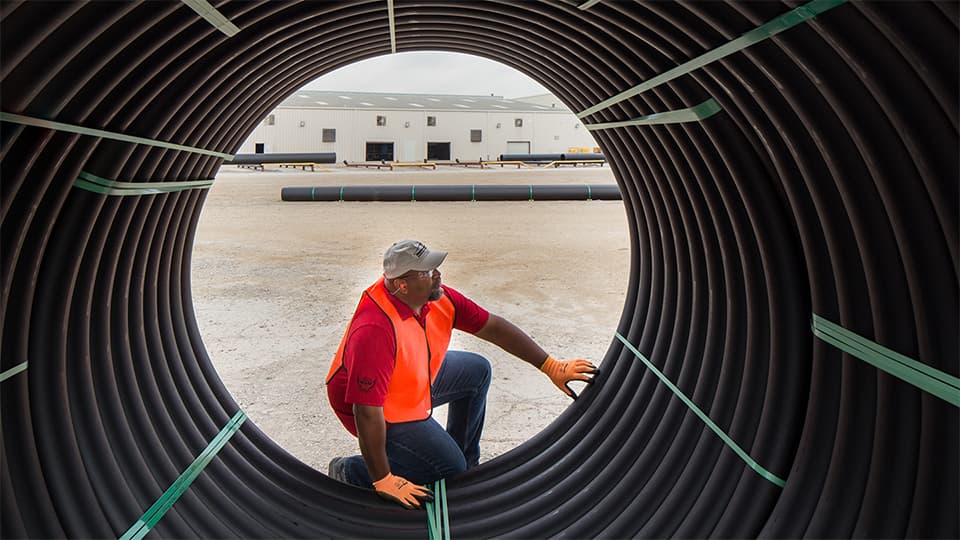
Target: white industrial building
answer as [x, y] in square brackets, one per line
[362, 126]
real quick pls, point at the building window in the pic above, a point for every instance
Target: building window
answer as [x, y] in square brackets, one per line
[431, 121]
[329, 135]
[518, 122]
[476, 135]
[381, 120]
[379, 151]
[271, 120]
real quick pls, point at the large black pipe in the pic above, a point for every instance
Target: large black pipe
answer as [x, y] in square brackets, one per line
[826, 185]
[480, 192]
[302, 157]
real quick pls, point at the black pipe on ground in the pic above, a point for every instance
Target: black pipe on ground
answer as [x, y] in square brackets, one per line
[825, 186]
[531, 158]
[546, 158]
[302, 157]
[485, 192]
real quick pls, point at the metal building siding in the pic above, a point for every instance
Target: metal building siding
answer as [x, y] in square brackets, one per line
[356, 127]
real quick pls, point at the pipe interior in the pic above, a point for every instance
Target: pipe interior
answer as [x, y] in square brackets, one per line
[826, 185]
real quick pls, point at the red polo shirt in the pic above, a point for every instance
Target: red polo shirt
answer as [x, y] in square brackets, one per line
[370, 351]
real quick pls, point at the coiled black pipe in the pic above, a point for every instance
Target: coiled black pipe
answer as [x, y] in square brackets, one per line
[481, 192]
[287, 157]
[827, 185]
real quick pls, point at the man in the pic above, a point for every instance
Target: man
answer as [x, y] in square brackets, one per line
[393, 367]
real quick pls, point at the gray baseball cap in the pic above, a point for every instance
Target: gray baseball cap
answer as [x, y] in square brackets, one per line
[407, 255]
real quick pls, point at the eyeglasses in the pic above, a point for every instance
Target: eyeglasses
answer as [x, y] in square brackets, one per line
[419, 273]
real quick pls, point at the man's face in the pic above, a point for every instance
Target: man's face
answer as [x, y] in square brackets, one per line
[423, 286]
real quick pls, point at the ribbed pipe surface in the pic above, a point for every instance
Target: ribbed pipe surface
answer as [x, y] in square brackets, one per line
[827, 185]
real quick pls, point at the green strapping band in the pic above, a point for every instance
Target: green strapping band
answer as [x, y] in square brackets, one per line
[770, 29]
[697, 113]
[104, 186]
[12, 371]
[70, 128]
[438, 520]
[212, 16]
[929, 379]
[413, 193]
[531, 192]
[313, 193]
[393, 27]
[473, 192]
[166, 501]
[589, 193]
[774, 479]
[341, 193]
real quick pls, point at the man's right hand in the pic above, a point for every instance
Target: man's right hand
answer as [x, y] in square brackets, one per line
[401, 490]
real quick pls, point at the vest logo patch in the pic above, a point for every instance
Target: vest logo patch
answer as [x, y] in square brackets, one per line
[365, 383]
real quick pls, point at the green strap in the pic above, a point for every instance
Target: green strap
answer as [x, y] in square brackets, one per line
[924, 377]
[589, 193]
[413, 193]
[166, 501]
[774, 479]
[12, 371]
[104, 186]
[214, 17]
[341, 193]
[70, 128]
[531, 192]
[438, 519]
[697, 113]
[313, 193]
[393, 27]
[588, 4]
[473, 192]
[770, 29]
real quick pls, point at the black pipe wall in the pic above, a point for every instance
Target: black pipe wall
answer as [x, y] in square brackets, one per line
[484, 192]
[827, 185]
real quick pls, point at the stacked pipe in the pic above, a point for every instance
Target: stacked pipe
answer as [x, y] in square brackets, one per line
[826, 185]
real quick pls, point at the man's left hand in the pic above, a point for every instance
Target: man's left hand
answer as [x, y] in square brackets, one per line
[561, 372]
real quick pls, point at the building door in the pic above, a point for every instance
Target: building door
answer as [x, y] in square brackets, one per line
[379, 151]
[438, 151]
[259, 147]
[518, 147]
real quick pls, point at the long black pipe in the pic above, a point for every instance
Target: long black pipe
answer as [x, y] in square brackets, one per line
[301, 157]
[826, 185]
[480, 192]
[546, 158]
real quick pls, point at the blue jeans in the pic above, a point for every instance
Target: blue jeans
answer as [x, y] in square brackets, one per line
[424, 452]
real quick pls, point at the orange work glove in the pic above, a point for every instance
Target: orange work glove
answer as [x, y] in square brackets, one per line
[562, 372]
[401, 490]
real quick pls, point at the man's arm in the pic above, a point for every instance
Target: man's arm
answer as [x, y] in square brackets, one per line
[372, 432]
[515, 341]
[507, 336]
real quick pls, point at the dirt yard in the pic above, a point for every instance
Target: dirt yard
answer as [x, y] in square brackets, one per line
[275, 283]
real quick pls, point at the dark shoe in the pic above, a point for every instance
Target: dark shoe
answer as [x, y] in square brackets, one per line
[337, 469]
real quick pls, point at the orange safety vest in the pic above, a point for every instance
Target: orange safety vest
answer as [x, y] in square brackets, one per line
[420, 351]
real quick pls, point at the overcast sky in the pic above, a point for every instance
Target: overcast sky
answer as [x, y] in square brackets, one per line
[430, 73]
